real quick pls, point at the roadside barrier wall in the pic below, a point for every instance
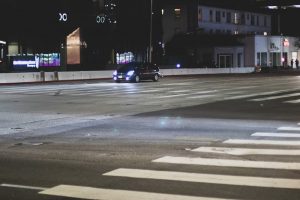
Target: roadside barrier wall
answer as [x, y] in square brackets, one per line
[30, 77]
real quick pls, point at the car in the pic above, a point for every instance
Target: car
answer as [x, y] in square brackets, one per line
[134, 72]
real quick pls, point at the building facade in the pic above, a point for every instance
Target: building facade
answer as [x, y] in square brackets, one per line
[271, 51]
[184, 18]
[229, 21]
[252, 43]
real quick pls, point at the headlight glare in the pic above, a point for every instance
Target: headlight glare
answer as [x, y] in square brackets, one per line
[130, 73]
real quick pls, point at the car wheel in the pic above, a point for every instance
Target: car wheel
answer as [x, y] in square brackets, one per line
[155, 78]
[137, 79]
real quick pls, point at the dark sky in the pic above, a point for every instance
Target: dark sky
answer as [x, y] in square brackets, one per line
[37, 21]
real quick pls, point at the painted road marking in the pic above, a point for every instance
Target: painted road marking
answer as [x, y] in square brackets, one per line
[264, 134]
[276, 97]
[171, 96]
[264, 142]
[110, 194]
[22, 186]
[244, 151]
[255, 94]
[293, 101]
[228, 163]
[207, 178]
[289, 128]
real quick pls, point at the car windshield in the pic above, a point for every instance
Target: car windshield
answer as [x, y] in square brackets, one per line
[128, 67]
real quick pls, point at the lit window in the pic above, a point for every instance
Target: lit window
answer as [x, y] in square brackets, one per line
[236, 18]
[177, 12]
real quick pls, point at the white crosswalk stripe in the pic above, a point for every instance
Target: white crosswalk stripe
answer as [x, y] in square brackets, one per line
[245, 151]
[228, 163]
[289, 128]
[109, 194]
[263, 142]
[207, 178]
[293, 101]
[287, 135]
[276, 97]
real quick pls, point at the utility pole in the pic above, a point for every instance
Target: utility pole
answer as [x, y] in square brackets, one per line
[150, 34]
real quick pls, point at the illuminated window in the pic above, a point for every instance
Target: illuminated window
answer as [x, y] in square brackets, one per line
[177, 12]
[236, 18]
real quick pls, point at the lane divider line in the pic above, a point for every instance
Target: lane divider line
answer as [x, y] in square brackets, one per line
[23, 186]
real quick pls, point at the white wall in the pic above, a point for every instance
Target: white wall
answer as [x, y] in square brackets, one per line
[87, 75]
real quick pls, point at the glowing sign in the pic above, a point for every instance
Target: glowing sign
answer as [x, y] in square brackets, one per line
[100, 19]
[49, 59]
[63, 17]
[36, 61]
[124, 58]
[27, 63]
[73, 48]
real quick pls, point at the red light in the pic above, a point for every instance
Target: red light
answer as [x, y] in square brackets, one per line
[286, 43]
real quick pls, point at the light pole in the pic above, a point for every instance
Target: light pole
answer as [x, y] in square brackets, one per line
[150, 34]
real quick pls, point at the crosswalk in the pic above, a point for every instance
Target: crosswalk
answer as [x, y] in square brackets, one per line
[157, 92]
[257, 146]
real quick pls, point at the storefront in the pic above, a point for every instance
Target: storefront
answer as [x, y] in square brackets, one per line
[271, 51]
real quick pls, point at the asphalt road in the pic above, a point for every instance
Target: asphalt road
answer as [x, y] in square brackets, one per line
[194, 137]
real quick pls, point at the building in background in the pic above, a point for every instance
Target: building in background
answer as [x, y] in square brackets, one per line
[112, 29]
[271, 51]
[203, 35]
[186, 18]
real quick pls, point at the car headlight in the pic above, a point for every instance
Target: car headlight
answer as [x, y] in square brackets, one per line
[115, 73]
[130, 73]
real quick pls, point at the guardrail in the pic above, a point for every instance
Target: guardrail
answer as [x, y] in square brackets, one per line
[31, 77]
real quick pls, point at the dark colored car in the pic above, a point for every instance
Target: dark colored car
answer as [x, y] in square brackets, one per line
[135, 72]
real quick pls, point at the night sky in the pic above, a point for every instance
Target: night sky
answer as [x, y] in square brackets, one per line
[37, 21]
